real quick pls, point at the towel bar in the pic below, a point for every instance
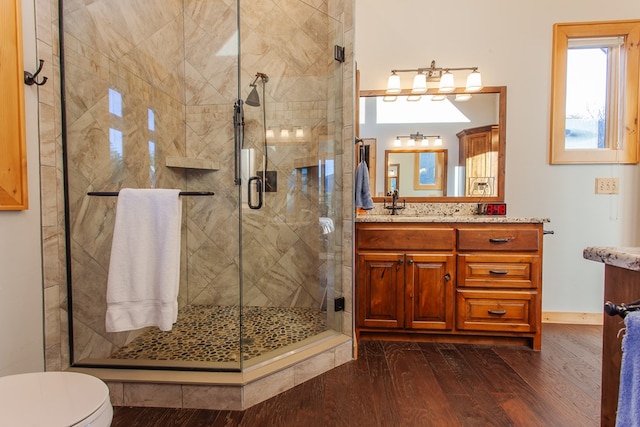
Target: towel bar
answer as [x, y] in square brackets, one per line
[182, 193]
[621, 310]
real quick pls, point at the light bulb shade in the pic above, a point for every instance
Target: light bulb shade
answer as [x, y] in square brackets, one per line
[397, 142]
[474, 81]
[299, 133]
[419, 83]
[284, 133]
[411, 143]
[425, 142]
[270, 134]
[447, 83]
[393, 84]
[462, 97]
[438, 97]
[389, 98]
[438, 142]
[413, 98]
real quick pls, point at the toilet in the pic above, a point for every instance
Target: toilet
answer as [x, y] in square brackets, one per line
[54, 399]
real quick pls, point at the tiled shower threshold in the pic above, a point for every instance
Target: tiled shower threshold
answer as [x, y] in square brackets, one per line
[262, 377]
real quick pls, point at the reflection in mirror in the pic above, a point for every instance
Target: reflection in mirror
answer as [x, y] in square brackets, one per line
[393, 178]
[450, 119]
[424, 172]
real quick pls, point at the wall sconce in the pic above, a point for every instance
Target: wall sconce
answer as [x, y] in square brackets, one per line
[417, 138]
[442, 75]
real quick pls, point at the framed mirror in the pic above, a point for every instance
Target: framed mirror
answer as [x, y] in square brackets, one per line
[471, 133]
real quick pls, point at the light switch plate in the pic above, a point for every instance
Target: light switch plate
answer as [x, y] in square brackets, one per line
[607, 186]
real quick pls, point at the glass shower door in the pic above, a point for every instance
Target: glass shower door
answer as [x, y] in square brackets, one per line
[291, 90]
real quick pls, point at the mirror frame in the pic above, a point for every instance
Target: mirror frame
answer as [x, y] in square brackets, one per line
[502, 121]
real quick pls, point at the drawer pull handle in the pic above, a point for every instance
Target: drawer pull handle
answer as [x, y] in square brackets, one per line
[499, 240]
[500, 272]
[497, 312]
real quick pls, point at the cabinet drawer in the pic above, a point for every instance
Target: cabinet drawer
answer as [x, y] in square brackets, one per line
[503, 311]
[499, 239]
[405, 238]
[498, 271]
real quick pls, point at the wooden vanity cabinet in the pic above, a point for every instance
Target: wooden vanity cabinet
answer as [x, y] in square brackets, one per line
[405, 277]
[458, 282]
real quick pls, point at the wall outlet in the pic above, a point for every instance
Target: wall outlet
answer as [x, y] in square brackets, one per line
[607, 186]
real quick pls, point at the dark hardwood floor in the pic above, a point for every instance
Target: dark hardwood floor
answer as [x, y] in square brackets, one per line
[418, 384]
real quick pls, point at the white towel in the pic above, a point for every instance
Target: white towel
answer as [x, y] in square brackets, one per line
[144, 271]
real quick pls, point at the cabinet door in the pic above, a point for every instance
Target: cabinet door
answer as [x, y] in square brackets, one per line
[380, 290]
[430, 291]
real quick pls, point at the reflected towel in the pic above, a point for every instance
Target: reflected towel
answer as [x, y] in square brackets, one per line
[629, 396]
[363, 192]
[144, 271]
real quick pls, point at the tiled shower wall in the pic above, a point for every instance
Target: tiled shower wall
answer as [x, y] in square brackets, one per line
[286, 241]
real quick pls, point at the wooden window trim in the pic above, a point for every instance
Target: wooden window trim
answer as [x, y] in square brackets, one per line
[630, 138]
[13, 144]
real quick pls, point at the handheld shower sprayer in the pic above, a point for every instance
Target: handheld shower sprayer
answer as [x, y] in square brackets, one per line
[253, 99]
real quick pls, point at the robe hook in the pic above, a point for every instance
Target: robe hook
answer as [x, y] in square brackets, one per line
[30, 79]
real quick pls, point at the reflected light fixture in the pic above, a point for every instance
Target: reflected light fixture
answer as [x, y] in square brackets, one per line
[462, 97]
[270, 134]
[414, 138]
[284, 133]
[442, 75]
[299, 133]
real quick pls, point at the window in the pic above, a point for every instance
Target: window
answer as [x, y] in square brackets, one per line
[594, 95]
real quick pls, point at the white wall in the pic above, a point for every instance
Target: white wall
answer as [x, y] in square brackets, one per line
[510, 42]
[21, 330]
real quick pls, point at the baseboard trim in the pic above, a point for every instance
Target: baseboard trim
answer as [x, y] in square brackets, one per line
[572, 317]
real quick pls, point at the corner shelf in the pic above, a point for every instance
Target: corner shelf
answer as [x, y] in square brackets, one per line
[192, 163]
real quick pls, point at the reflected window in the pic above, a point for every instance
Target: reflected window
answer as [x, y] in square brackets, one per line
[115, 144]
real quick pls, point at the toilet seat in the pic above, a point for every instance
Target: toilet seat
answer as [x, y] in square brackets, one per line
[54, 399]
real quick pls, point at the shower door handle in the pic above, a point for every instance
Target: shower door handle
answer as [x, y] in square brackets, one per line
[258, 190]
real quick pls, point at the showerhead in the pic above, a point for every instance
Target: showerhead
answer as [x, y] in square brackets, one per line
[253, 99]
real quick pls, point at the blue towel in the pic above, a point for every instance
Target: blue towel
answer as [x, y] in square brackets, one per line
[629, 395]
[363, 193]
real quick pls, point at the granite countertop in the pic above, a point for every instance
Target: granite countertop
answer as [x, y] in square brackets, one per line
[628, 257]
[449, 218]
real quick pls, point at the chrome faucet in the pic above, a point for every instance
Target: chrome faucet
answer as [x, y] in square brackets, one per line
[394, 203]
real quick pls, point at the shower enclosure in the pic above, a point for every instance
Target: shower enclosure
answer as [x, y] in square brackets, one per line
[238, 104]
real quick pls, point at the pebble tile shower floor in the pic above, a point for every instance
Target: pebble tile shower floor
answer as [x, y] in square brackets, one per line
[212, 334]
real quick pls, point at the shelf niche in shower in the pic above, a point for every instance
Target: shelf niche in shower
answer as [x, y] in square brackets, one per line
[192, 163]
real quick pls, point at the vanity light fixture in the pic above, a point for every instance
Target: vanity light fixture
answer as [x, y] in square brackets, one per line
[442, 75]
[414, 138]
